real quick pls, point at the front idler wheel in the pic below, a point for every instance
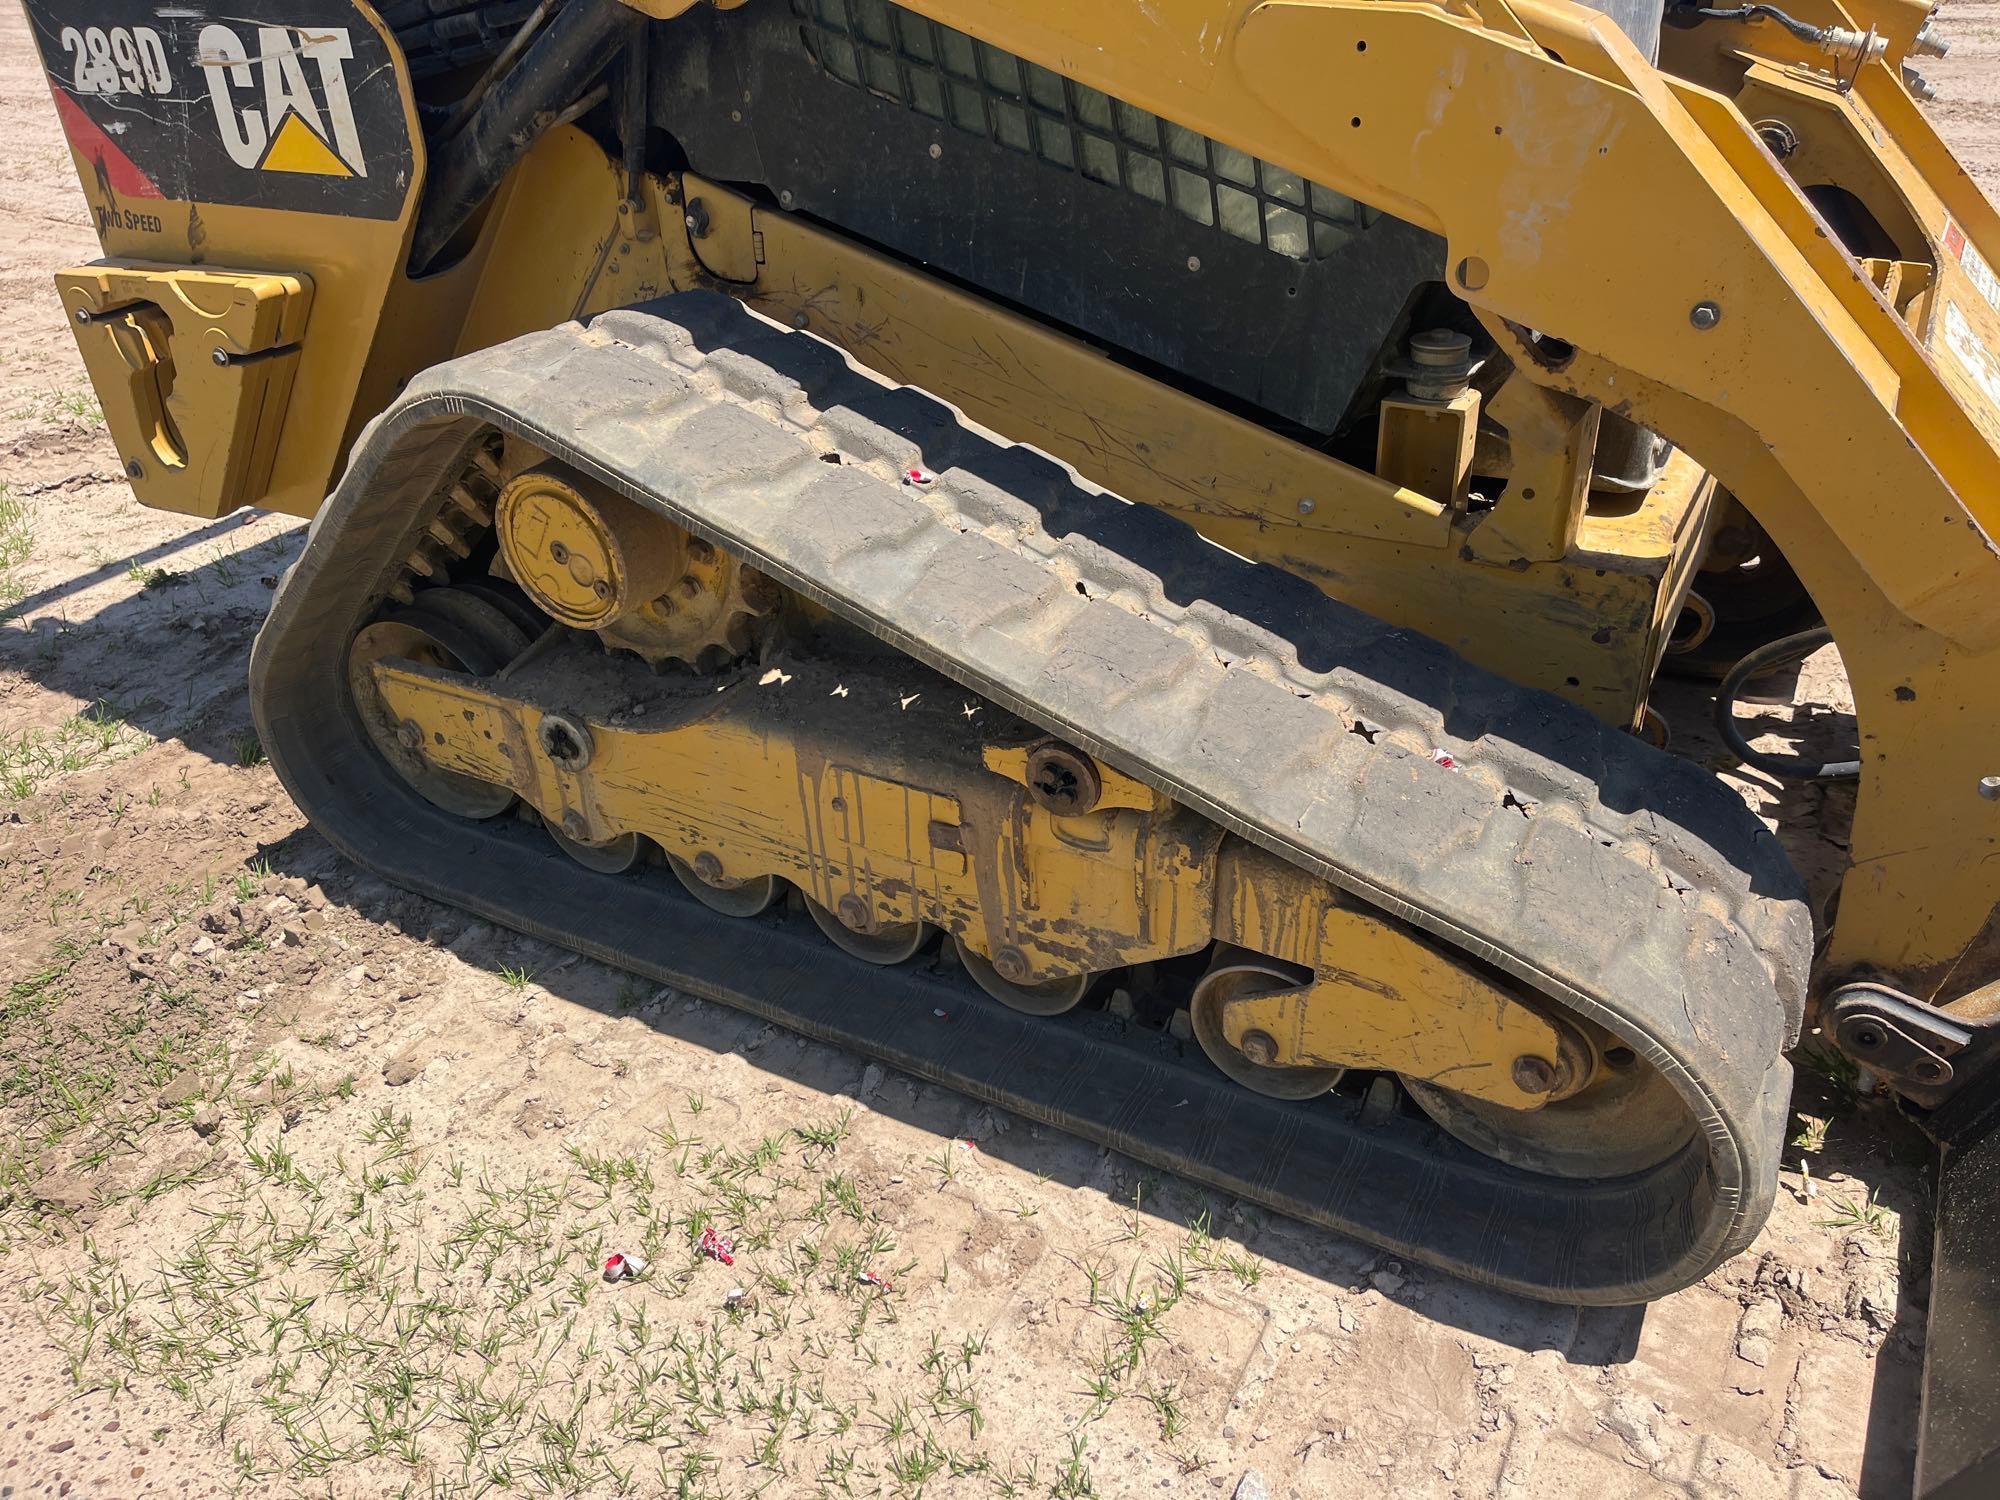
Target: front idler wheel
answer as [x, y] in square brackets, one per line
[1625, 1117]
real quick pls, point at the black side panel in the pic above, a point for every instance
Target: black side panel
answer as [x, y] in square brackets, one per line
[293, 106]
[955, 156]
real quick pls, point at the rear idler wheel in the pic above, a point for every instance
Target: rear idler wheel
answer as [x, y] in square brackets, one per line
[718, 892]
[1233, 973]
[1626, 1118]
[1044, 997]
[452, 630]
[886, 944]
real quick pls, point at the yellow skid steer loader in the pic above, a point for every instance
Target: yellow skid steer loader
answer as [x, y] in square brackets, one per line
[1148, 530]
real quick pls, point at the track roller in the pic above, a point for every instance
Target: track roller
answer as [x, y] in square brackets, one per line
[1046, 997]
[718, 892]
[1234, 972]
[892, 943]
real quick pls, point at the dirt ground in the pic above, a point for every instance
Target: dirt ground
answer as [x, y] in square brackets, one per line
[305, 1183]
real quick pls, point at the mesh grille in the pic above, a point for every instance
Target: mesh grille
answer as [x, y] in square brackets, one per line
[910, 60]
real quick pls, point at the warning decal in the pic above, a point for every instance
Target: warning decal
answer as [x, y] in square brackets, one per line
[1977, 271]
[282, 104]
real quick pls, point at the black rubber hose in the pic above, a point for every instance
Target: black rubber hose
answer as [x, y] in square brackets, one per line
[1777, 653]
[555, 70]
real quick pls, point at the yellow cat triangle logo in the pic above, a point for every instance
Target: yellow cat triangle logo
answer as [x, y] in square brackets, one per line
[297, 147]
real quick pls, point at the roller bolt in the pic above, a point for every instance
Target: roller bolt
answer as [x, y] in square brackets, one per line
[854, 914]
[708, 867]
[574, 826]
[558, 553]
[1011, 965]
[1259, 1048]
[1705, 315]
[134, 469]
[410, 735]
[1989, 788]
[1534, 1075]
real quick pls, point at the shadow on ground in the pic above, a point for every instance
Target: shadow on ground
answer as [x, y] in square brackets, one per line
[168, 655]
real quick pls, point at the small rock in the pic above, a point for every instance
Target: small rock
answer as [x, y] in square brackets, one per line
[1631, 1419]
[871, 1079]
[315, 898]
[1182, 1027]
[1757, 1329]
[400, 1070]
[207, 1120]
[183, 1087]
[1251, 1487]
[202, 945]
[62, 1447]
[1348, 1322]
[1386, 1281]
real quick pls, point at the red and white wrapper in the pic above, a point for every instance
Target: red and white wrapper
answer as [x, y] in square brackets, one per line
[623, 1265]
[715, 1247]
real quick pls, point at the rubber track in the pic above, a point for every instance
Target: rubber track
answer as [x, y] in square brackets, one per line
[1623, 883]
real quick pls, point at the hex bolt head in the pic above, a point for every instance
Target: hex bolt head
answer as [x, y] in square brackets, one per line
[708, 867]
[410, 735]
[854, 914]
[1705, 315]
[218, 356]
[1989, 788]
[83, 315]
[1307, 507]
[574, 826]
[1259, 1048]
[1011, 965]
[134, 469]
[1534, 1075]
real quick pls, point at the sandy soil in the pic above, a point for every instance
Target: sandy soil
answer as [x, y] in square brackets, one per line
[306, 1182]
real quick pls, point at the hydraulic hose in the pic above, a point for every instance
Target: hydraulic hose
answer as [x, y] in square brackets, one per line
[557, 68]
[1778, 653]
